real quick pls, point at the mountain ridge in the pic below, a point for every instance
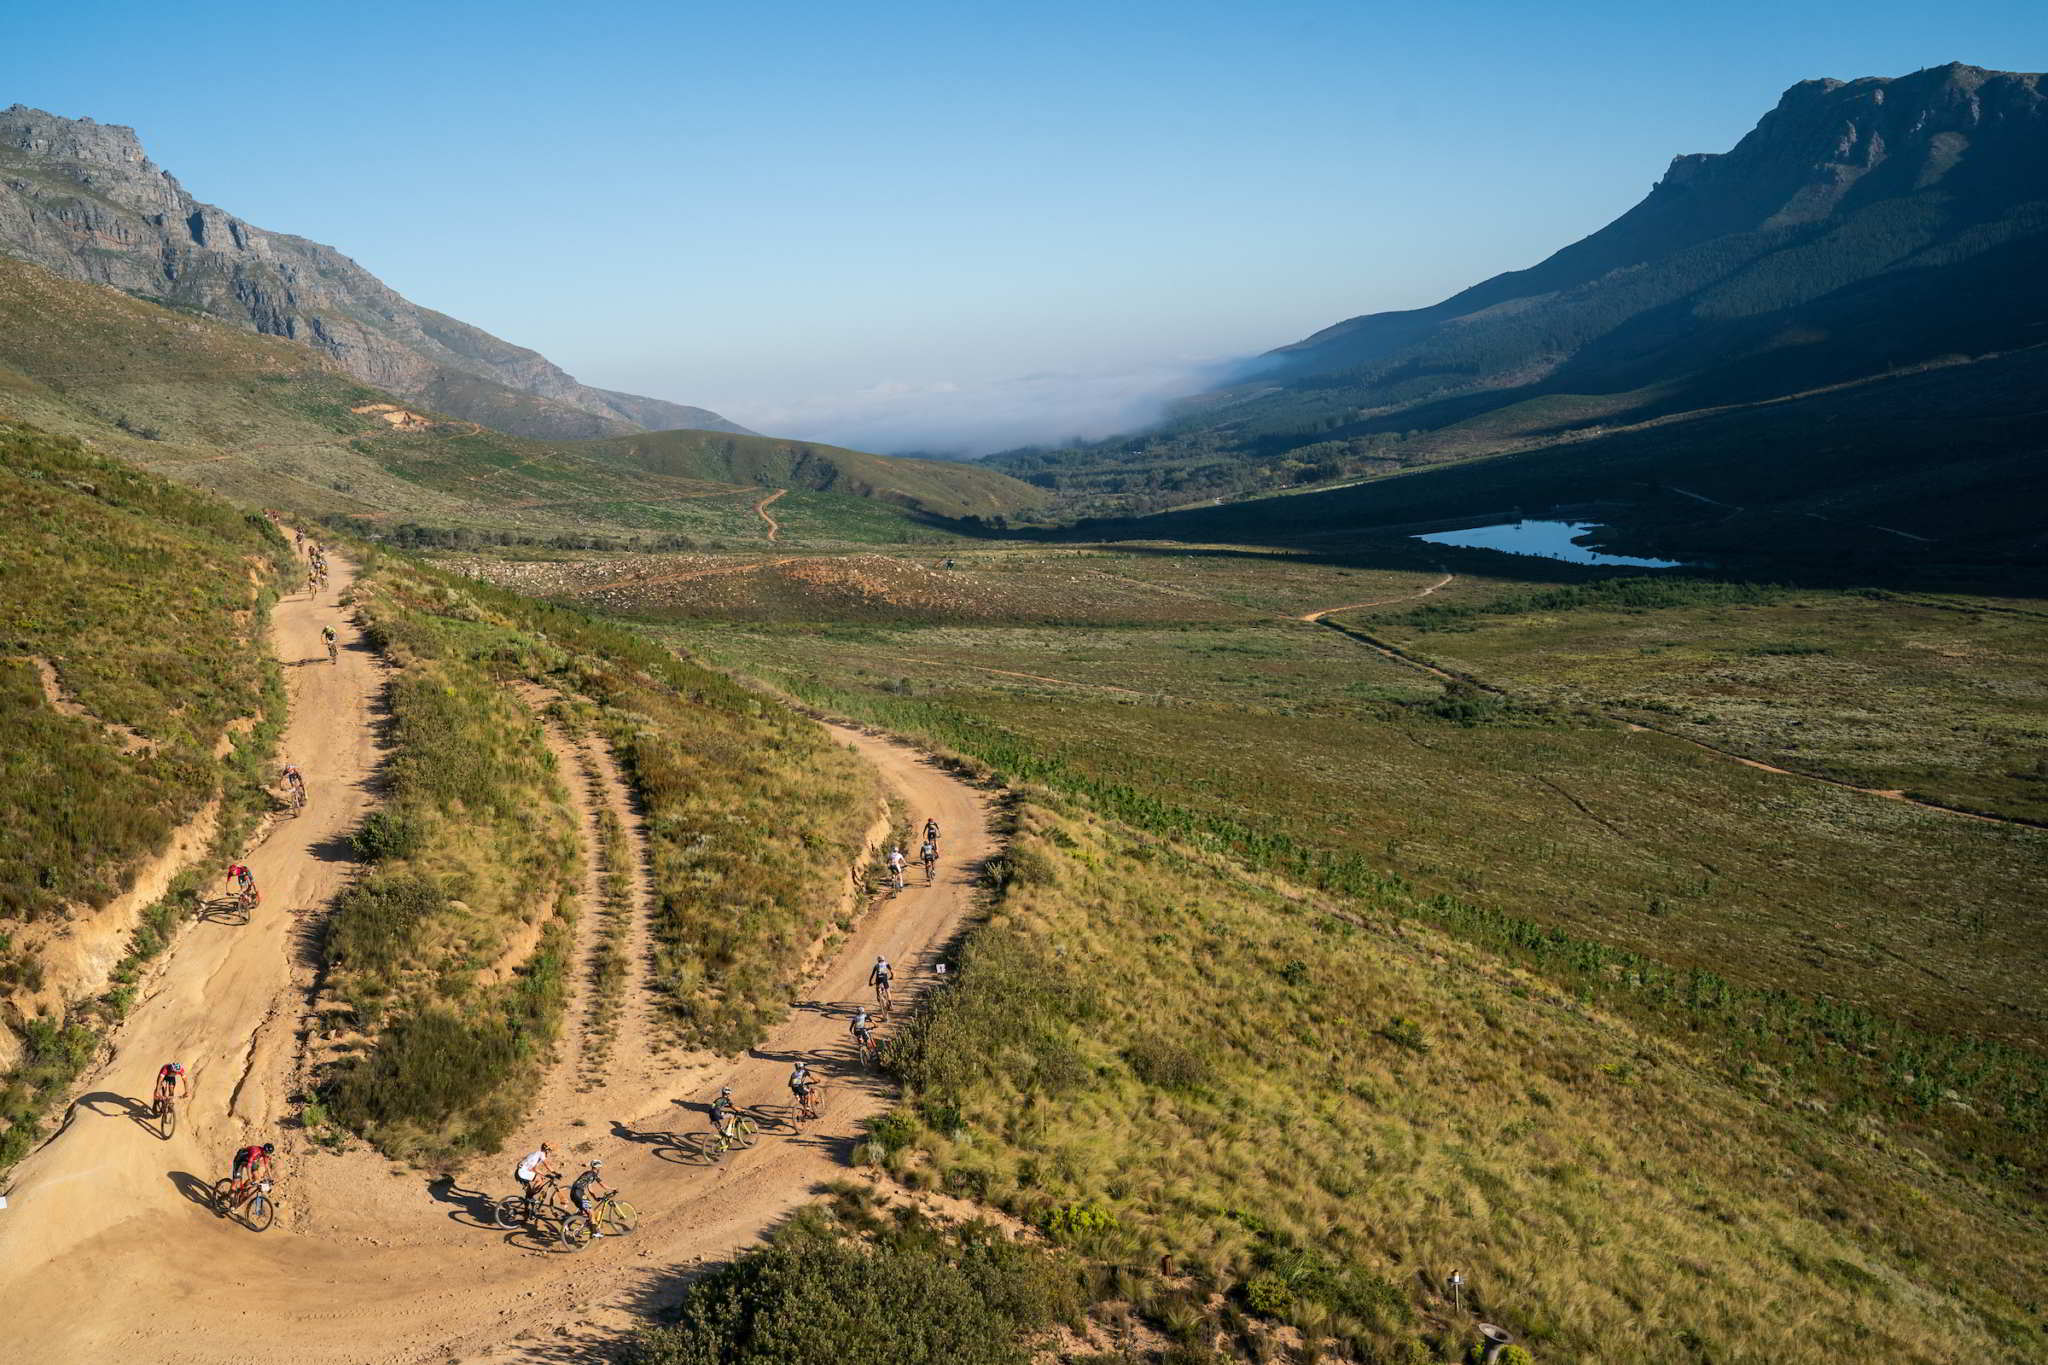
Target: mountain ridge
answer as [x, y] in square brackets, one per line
[1861, 228]
[83, 200]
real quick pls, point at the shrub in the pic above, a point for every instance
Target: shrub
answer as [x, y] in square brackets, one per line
[1078, 1222]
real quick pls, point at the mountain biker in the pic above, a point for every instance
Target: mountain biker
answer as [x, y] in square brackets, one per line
[292, 776]
[536, 1170]
[931, 830]
[241, 880]
[723, 1112]
[896, 864]
[930, 856]
[252, 1164]
[803, 1085]
[170, 1082]
[580, 1193]
[879, 976]
[863, 1031]
[327, 635]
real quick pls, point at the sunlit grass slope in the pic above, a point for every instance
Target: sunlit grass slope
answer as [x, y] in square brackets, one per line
[1317, 1111]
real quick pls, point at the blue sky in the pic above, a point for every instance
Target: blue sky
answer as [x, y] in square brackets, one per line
[947, 225]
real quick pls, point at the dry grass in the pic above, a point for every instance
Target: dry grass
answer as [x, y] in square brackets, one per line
[1242, 1079]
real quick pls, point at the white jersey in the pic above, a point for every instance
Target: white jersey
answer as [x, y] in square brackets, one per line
[896, 857]
[529, 1164]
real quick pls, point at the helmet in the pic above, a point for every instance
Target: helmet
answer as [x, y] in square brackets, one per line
[595, 1163]
[269, 1147]
[725, 1090]
[177, 1068]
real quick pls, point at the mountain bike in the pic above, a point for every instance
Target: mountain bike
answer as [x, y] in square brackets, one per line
[295, 797]
[739, 1131]
[333, 651]
[251, 1205]
[896, 878]
[868, 1050]
[882, 994]
[810, 1102]
[164, 1110]
[246, 901]
[611, 1216]
[931, 870]
[546, 1217]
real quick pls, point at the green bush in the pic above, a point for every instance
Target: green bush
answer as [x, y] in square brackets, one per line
[915, 1296]
[1078, 1222]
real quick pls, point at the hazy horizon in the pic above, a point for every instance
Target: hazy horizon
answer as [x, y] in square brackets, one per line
[920, 228]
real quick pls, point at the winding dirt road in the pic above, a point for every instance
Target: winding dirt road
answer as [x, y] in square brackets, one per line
[107, 1251]
[761, 510]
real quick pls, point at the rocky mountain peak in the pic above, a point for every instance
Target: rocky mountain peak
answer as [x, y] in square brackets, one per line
[83, 200]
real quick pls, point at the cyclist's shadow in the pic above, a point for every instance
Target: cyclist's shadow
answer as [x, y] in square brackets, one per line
[473, 1208]
[107, 1104]
[194, 1189]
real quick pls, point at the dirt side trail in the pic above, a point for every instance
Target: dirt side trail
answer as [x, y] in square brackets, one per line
[371, 1262]
[761, 510]
[224, 1004]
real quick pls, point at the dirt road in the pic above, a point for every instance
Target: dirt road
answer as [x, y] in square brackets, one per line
[761, 510]
[107, 1253]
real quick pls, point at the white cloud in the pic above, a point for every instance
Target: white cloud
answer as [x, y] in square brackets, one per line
[967, 418]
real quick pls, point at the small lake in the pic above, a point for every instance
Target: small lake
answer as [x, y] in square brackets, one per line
[1550, 539]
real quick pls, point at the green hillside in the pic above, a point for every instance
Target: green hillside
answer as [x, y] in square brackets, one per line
[135, 696]
[271, 422]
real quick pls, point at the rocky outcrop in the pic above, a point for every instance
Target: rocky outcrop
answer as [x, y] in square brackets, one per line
[82, 200]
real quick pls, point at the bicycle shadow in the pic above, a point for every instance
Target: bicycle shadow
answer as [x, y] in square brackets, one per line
[196, 1190]
[116, 1106]
[224, 910]
[472, 1208]
[690, 1149]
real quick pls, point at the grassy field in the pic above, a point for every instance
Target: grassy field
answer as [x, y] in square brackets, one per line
[136, 691]
[1538, 806]
[1944, 700]
[1309, 1111]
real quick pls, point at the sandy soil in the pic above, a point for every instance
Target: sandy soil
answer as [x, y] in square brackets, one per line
[108, 1250]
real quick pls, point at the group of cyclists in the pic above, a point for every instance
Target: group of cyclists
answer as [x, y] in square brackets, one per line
[316, 564]
[928, 854]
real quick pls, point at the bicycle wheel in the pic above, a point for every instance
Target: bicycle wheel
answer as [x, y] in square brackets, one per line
[509, 1213]
[258, 1212]
[616, 1218]
[221, 1190]
[574, 1231]
[167, 1121]
[744, 1132]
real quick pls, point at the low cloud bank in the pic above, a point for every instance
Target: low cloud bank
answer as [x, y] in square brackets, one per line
[968, 418]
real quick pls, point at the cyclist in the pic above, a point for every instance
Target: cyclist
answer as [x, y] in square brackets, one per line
[723, 1112]
[896, 866]
[327, 634]
[930, 854]
[170, 1084]
[863, 1031]
[251, 1165]
[804, 1086]
[931, 830]
[241, 881]
[535, 1173]
[580, 1193]
[879, 976]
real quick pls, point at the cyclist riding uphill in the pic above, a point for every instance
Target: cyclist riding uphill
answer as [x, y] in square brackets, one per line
[722, 1111]
[241, 880]
[803, 1085]
[171, 1083]
[535, 1167]
[580, 1193]
[931, 830]
[881, 974]
[253, 1164]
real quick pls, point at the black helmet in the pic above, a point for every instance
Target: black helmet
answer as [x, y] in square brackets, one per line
[269, 1147]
